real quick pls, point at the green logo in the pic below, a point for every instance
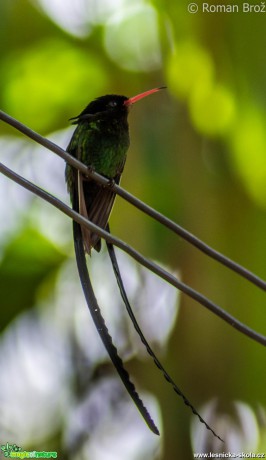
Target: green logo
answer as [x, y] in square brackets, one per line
[14, 451]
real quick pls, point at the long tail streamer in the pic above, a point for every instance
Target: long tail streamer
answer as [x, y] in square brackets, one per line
[167, 377]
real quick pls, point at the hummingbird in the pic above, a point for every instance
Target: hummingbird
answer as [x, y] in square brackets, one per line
[100, 141]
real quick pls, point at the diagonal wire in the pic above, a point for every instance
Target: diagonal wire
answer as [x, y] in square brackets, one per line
[135, 254]
[192, 239]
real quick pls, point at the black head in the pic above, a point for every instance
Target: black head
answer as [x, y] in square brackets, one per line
[110, 106]
[107, 106]
[108, 103]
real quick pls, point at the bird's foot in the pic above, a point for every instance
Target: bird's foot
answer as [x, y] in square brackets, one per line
[90, 170]
[110, 184]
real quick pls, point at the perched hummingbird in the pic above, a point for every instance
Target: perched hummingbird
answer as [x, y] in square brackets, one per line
[100, 141]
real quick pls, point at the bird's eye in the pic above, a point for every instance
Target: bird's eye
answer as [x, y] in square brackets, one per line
[112, 104]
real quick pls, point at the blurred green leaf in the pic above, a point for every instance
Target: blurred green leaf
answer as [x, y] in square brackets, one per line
[27, 260]
[49, 82]
[190, 69]
[248, 152]
[213, 111]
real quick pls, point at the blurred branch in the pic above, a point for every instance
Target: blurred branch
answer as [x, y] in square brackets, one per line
[135, 254]
[192, 239]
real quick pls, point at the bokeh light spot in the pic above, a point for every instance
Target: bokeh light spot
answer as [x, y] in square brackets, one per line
[212, 112]
[132, 39]
[189, 69]
[49, 81]
[248, 153]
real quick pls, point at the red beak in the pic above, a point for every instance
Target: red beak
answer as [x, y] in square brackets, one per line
[134, 99]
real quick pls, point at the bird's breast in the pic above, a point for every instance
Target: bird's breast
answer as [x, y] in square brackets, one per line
[108, 153]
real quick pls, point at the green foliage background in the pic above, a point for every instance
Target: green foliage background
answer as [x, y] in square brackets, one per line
[197, 155]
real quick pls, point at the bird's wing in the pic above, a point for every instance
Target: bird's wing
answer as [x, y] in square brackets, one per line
[95, 203]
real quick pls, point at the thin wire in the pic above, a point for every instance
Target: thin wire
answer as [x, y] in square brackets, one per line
[189, 237]
[136, 255]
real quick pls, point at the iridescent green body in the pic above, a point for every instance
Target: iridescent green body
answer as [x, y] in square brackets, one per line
[101, 147]
[100, 141]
